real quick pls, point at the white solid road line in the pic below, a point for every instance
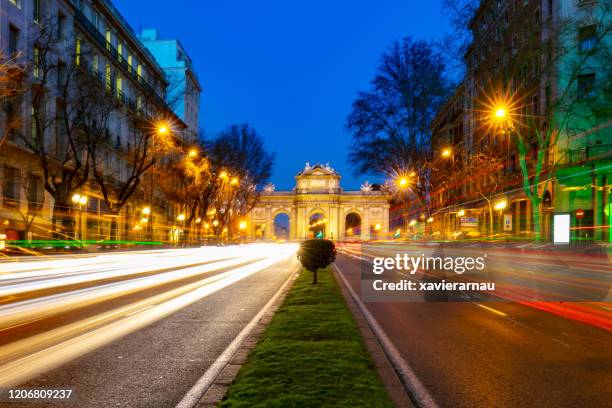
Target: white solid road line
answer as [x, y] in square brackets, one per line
[196, 392]
[416, 390]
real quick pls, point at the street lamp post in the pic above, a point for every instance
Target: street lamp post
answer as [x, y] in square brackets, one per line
[79, 200]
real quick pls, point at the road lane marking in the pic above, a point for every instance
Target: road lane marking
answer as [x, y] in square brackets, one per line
[415, 389]
[492, 310]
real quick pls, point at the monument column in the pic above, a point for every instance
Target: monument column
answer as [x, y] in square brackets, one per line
[385, 225]
[269, 229]
[365, 227]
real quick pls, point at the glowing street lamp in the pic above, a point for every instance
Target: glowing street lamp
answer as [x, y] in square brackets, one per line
[500, 113]
[81, 200]
[215, 223]
[500, 205]
[403, 181]
[377, 227]
[146, 211]
[446, 152]
[163, 129]
[223, 175]
[460, 213]
[192, 153]
[181, 217]
[430, 220]
[234, 181]
[242, 225]
[412, 223]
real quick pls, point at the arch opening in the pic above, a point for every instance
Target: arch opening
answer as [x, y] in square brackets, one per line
[316, 226]
[281, 226]
[352, 225]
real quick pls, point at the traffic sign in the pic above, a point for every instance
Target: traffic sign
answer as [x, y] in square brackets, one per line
[579, 214]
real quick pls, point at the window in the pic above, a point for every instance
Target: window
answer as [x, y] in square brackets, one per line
[95, 19]
[36, 69]
[139, 72]
[109, 37]
[77, 51]
[139, 102]
[34, 128]
[13, 40]
[535, 105]
[130, 62]
[108, 79]
[586, 85]
[34, 192]
[61, 19]
[120, 52]
[96, 64]
[550, 8]
[36, 11]
[61, 75]
[536, 16]
[587, 37]
[16, 3]
[10, 186]
[119, 87]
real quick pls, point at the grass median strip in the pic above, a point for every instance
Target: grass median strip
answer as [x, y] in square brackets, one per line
[311, 354]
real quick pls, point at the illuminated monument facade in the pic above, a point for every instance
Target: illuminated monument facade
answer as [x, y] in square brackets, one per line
[318, 207]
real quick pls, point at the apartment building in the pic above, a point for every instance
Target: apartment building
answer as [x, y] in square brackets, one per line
[54, 39]
[538, 60]
[184, 90]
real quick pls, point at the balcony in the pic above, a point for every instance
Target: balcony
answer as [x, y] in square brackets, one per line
[114, 55]
[594, 152]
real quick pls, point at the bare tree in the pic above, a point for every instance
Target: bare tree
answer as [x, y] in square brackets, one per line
[574, 107]
[183, 179]
[57, 107]
[240, 164]
[11, 90]
[390, 123]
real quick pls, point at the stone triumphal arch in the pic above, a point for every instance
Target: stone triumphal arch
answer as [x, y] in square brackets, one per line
[318, 207]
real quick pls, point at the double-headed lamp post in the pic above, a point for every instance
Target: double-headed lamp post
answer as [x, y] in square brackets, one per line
[79, 200]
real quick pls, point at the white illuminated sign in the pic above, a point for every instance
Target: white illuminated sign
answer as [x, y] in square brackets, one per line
[562, 229]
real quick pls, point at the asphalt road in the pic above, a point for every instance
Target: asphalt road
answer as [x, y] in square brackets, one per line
[133, 329]
[511, 354]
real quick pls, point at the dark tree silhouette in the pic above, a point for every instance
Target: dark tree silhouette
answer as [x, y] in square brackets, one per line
[390, 123]
[316, 254]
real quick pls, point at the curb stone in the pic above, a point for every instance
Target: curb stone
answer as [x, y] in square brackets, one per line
[385, 370]
[220, 385]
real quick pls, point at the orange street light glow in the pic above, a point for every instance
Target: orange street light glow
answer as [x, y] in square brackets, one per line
[403, 181]
[446, 152]
[162, 129]
[500, 113]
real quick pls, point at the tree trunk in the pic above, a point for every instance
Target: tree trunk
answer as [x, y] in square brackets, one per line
[314, 277]
[535, 212]
[491, 223]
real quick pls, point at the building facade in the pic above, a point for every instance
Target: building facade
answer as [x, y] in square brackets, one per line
[319, 207]
[55, 40]
[184, 90]
[545, 61]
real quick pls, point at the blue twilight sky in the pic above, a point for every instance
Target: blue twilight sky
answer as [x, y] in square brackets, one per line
[291, 69]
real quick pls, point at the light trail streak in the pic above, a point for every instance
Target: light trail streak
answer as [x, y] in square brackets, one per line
[27, 357]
